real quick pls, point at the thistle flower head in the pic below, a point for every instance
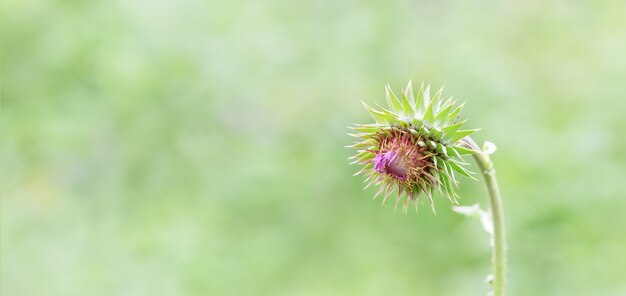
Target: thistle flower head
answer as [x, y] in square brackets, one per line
[413, 147]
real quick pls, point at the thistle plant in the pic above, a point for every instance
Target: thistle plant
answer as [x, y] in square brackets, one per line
[415, 148]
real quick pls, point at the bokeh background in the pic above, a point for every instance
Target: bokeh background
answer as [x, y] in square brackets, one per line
[196, 147]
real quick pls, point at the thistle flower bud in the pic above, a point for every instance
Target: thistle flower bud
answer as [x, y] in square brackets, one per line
[414, 147]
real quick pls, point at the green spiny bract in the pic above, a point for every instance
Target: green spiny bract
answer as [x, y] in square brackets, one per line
[414, 147]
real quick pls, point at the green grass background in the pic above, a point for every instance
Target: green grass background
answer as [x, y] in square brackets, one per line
[196, 147]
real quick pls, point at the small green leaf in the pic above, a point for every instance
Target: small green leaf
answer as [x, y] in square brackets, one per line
[364, 168]
[365, 144]
[362, 156]
[442, 149]
[390, 114]
[408, 93]
[428, 116]
[426, 96]
[420, 105]
[460, 169]
[436, 133]
[445, 181]
[450, 130]
[392, 100]
[369, 128]
[454, 114]
[462, 150]
[364, 136]
[453, 152]
[443, 113]
[461, 134]
[378, 116]
[407, 105]
[449, 172]
[437, 96]
[459, 162]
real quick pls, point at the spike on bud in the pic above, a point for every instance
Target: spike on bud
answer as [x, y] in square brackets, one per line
[411, 147]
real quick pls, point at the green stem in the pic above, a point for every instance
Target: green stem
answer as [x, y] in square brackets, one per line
[497, 214]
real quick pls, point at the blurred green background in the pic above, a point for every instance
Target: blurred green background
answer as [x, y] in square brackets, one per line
[196, 147]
